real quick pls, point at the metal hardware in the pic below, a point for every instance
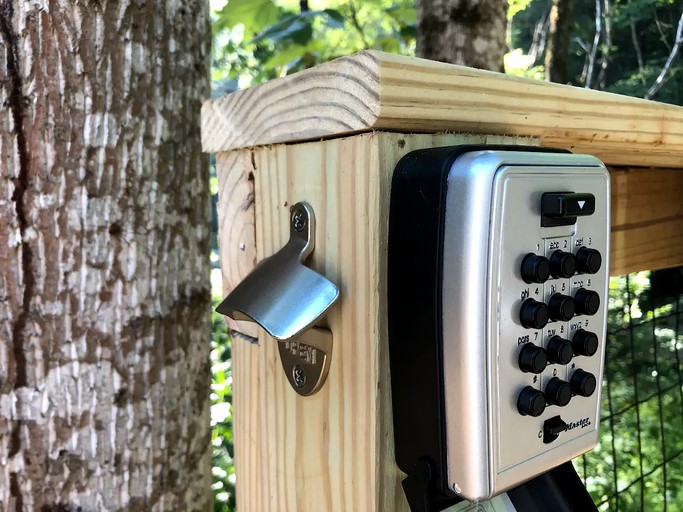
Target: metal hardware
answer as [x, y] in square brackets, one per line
[306, 360]
[287, 299]
[462, 222]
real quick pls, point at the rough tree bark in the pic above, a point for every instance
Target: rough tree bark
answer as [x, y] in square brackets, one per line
[104, 239]
[468, 32]
[559, 37]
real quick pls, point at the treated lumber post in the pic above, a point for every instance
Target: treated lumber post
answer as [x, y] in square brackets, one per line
[331, 136]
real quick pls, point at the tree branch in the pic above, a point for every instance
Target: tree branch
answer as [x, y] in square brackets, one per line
[540, 36]
[587, 75]
[602, 76]
[356, 24]
[659, 27]
[636, 46]
[582, 44]
[667, 66]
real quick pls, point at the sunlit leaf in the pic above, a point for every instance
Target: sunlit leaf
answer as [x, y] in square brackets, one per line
[255, 15]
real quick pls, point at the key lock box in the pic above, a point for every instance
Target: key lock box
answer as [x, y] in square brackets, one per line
[497, 297]
[498, 279]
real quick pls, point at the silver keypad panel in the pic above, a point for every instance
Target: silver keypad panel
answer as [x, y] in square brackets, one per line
[512, 415]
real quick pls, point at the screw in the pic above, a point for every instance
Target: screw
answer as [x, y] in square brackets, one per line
[299, 220]
[299, 376]
[456, 488]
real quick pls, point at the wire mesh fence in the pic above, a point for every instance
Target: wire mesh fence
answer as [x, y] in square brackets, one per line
[638, 464]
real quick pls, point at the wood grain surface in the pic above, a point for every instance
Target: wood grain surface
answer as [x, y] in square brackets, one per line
[374, 90]
[237, 240]
[647, 219]
[104, 269]
[332, 451]
[337, 97]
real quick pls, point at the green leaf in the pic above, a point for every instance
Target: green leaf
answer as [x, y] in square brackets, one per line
[298, 27]
[255, 15]
[404, 13]
[408, 32]
[335, 19]
[304, 35]
[288, 28]
[285, 56]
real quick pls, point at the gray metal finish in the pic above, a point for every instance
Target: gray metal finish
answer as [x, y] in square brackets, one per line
[287, 299]
[281, 294]
[306, 360]
[492, 221]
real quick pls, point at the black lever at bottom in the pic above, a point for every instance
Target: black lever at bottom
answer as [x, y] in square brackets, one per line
[559, 490]
[421, 492]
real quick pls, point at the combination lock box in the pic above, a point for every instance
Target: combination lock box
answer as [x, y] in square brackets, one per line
[498, 279]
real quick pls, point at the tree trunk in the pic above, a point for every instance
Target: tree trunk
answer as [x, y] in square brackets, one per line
[104, 276]
[559, 37]
[468, 32]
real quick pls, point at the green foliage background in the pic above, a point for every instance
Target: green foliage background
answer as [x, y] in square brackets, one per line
[642, 387]
[259, 40]
[223, 469]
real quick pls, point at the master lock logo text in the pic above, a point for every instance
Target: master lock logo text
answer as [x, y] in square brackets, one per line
[585, 422]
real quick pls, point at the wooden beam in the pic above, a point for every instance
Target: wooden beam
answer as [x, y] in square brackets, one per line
[647, 219]
[647, 216]
[332, 451]
[237, 240]
[375, 90]
[338, 97]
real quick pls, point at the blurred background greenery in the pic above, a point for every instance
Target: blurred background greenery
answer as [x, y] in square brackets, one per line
[638, 464]
[624, 46]
[258, 40]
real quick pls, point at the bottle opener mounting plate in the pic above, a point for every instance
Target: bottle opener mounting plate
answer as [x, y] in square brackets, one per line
[306, 360]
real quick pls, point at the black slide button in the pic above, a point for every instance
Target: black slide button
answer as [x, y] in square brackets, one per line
[562, 208]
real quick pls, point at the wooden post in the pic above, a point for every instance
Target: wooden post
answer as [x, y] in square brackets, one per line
[333, 451]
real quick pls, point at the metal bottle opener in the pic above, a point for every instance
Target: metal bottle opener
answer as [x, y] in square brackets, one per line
[287, 299]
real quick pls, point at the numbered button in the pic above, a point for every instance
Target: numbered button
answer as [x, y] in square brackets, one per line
[585, 343]
[561, 307]
[588, 261]
[532, 359]
[558, 392]
[533, 314]
[535, 268]
[562, 264]
[587, 301]
[559, 350]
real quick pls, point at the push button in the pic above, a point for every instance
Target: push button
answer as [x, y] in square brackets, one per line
[587, 301]
[535, 268]
[585, 343]
[562, 264]
[583, 383]
[561, 307]
[558, 392]
[530, 402]
[532, 359]
[562, 208]
[588, 261]
[533, 314]
[559, 350]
